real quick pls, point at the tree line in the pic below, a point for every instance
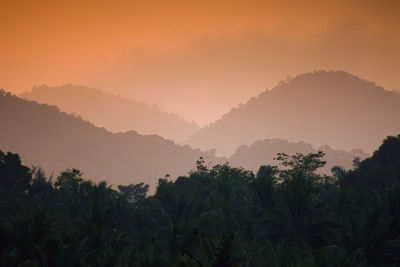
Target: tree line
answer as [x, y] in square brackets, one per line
[286, 215]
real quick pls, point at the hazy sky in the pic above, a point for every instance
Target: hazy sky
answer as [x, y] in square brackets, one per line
[196, 58]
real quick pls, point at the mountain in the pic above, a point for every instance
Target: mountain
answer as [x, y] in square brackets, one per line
[115, 113]
[332, 108]
[45, 136]
[263, 153]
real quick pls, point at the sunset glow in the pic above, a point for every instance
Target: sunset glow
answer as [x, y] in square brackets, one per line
[199, 133]
[195, 58]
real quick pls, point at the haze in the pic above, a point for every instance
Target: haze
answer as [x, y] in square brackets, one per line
[195, 58]
[199, 133]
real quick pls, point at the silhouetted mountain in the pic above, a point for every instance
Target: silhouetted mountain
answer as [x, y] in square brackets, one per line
[263, 152]
[113, 112]
[322, 108]
[44, 136]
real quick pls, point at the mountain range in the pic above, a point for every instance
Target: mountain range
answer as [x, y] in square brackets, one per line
[333, 112]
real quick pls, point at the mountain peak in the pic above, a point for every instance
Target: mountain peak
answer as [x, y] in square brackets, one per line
[333, 108]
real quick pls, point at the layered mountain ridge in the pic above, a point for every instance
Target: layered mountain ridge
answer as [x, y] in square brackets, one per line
[55, 140]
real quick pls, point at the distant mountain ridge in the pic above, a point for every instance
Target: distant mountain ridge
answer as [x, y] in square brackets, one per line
[115, 113]
[44, 136]
[332, 108]
[263, 153]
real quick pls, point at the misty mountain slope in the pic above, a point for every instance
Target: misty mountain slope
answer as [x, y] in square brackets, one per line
[263, 153]
[322, 108]
[44, 136]
[115, 113]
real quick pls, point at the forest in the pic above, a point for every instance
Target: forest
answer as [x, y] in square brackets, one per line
[285, 215]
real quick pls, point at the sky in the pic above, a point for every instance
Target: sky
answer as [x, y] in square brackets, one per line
[196, 58]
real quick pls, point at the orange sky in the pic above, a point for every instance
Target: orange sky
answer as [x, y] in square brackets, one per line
[196, 58]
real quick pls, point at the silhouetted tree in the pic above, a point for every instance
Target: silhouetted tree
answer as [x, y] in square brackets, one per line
[134, 192]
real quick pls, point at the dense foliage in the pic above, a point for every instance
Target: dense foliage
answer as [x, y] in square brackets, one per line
[215, 216]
